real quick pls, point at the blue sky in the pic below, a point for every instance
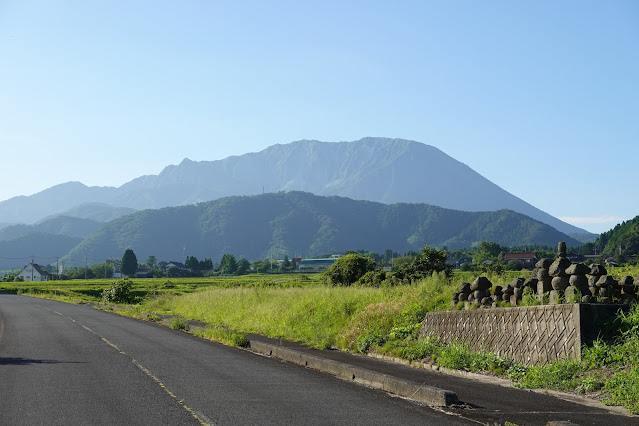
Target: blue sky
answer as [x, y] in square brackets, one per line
[541, 97]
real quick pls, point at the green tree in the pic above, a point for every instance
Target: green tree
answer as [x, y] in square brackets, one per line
[173, 272]
[286, 263]
[129, 263]
[152, 262]
[348, 269]
[243, 266]
[228, 264]
[488, 250]
[206, 264]
[81, 273]
[192, 264]
[120, 292]
[514, 265]
[262, 266]
[429, 261]
[102, 270]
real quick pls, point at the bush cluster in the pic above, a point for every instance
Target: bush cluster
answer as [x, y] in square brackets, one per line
[120, 292]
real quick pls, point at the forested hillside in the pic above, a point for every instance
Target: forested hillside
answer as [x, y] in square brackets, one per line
[625, 236]
[302, 224]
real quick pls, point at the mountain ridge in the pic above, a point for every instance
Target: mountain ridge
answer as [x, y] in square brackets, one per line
[288, 223]
[376, 169]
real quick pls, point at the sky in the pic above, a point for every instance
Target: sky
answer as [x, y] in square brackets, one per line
[541, 98]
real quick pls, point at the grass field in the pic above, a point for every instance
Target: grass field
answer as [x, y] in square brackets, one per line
[385, 320]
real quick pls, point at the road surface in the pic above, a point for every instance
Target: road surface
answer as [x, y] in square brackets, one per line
[70, 364]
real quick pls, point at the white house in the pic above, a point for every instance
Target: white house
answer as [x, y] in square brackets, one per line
[34, 272]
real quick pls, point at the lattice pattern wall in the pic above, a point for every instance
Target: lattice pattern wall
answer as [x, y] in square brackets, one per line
[529, 335]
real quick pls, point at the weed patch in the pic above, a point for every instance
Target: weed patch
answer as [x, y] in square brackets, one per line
[176, 323]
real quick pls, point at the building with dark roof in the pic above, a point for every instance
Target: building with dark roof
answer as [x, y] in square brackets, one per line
[34, 272]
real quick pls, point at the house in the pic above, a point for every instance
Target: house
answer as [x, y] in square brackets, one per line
[143, 273]
[316, 264]
[575, 257]
[174, 265]
[34, 272]
[528, 260]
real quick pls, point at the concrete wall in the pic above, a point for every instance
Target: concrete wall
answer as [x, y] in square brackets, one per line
[529, 335]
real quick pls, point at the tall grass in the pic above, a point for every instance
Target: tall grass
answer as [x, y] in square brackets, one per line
[320, 315]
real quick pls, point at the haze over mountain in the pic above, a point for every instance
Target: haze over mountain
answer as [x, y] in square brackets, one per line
[98, 212]
[46, 248]
[298, 223]
[374, 169]
[59, 225]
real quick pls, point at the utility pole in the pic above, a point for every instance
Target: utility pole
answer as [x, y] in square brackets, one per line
[86, 267]
[57, 266]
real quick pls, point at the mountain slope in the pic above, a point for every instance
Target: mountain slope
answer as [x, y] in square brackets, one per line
[17, 252]
[60, 225]
[298, 223]
[374, 169]
[98, 212]
[624, 236]
[30, 209]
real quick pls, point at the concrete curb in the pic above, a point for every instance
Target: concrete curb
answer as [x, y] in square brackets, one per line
[425, 394]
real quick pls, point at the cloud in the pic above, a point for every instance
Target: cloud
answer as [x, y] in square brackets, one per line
[584, 220]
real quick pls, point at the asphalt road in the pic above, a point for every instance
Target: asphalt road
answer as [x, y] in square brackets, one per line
[70, 364]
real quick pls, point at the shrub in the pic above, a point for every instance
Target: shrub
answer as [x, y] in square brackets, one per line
[120, 292]
[348, 269]
[177, 324]
[429, 261]
[372, 278]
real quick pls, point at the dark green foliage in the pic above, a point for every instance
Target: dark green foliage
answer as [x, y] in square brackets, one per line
[429, 261]
[80, 273]
[243, 267]
[195, 265]
[228, 264]
[372, 278]
[129, 263]
[624, 235]
[11, 278]
[514, 265]
[152, 262]
[102, 270]
[348, 269]
[120, 292]
[366, 341]
[488, 251]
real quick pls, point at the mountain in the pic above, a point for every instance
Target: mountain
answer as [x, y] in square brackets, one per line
[298, 223]
[625, 236]
[30, 209]
[17, 252]
[60, 225]
[374, 169]
[98, 212]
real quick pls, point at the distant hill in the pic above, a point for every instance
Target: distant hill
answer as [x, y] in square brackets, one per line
[625, 236]
[298, 223]
[374, 169]
[584, 237]
[59, 198]
[60, 225]
[17, 252]
[98, 212]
